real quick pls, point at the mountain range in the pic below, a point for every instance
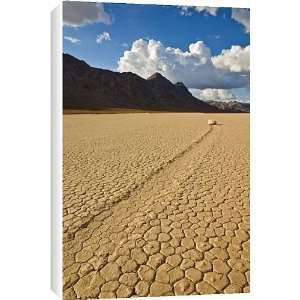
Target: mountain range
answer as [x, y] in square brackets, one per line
[88, 88]
[231, 106]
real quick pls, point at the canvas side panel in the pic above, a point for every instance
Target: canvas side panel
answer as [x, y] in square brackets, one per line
[56, 150]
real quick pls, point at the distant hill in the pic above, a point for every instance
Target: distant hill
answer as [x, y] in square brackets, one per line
[231, 106]
[88, 88]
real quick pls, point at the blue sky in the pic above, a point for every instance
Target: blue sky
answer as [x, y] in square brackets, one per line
[120, 25]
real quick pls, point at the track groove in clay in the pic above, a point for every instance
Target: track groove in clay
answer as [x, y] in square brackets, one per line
[153, 173]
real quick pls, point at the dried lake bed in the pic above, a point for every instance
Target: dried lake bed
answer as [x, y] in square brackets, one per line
[155, 204]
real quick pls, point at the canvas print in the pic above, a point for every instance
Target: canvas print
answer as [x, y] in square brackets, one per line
[156, 109]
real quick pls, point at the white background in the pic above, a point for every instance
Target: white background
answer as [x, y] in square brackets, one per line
[25, 150]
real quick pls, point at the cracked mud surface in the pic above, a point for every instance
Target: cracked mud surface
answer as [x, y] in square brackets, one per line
[155, 204]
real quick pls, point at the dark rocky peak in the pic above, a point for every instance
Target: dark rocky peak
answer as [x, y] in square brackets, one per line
[158, 77]
[181, 85]
[130, 75]
[74, 68]
[71, 60]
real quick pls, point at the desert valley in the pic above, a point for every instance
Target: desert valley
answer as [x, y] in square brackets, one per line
[156, 119]
[155, 202]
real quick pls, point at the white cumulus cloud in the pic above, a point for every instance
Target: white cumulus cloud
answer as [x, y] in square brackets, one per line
[242, 15]
[213, 94]
[188, 10]
[195, 67]
[104, 36]
[209, 10]
[185, 11]
[76, 14]
[72, 39]
[235, 59]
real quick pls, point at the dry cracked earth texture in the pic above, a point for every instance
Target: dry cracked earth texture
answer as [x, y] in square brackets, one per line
[155, 204]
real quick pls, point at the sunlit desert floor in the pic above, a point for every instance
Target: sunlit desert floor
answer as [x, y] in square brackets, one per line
[155, 204]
